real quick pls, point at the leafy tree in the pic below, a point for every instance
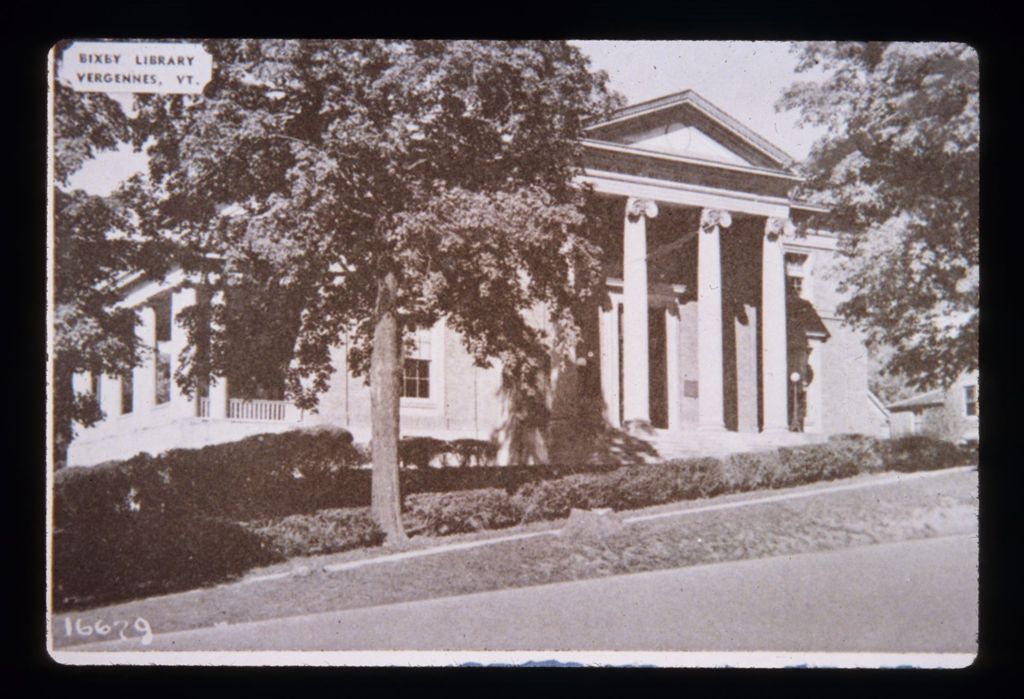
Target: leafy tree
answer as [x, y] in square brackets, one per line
[899, 169]
[90, 333]
[378, 186]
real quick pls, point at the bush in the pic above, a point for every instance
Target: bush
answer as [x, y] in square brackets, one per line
[554, 499]
[158, 524]
[799, 465]
[969, 452]
[625, 488]
[438, 514]
[423, 452]
[262, 476]
[707, 474]
[135, 555]
[473, 452]
[922, 453]
[864, 452]
[420, 451]
[750, 471]
[325, 531]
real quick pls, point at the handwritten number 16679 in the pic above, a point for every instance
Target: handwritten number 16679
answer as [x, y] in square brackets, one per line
[81, 628]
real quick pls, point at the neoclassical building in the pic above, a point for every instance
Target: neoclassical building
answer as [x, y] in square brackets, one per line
[718, 331]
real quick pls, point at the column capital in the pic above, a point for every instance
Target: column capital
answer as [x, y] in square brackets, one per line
[710, 219]
[635, 208]
[775, 227]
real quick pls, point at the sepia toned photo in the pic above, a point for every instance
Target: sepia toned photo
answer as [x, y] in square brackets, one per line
[583, 353]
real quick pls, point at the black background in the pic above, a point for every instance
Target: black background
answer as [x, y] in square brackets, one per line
[32, 27]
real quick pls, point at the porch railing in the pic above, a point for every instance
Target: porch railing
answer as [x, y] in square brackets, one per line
[260, 410]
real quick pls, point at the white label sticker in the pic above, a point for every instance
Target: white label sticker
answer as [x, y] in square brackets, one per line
[127, 66]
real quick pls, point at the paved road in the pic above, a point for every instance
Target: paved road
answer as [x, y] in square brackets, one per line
[909, 597]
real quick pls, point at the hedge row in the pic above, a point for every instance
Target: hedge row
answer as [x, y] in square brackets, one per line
[129, 530]
[124, 558]
[633, 487]
[271, 475]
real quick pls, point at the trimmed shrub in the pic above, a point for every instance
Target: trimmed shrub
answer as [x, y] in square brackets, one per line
[625, 488]
[810, 463]
[159, 524]
[420, 451]
[551, 499]
[438, 514]
[709, 475]
[751, 471]
[969, 452]
[423, 452]
[473, 452]
[131, 556]
[922, 453]
[862, 451]
[263, 476]
[325, 531]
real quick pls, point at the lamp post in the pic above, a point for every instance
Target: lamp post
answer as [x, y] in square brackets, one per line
[794, 381]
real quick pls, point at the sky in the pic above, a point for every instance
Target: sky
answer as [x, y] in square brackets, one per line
[742, 78]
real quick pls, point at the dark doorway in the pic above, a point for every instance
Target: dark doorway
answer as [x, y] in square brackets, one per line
[658, 367]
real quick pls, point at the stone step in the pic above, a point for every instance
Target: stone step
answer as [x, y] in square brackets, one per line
[674, 445]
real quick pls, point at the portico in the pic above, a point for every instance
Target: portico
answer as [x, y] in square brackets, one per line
[707, 352]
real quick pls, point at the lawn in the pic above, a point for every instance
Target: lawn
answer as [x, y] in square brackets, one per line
[888, 508]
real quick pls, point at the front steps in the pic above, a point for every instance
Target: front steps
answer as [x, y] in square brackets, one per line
[680, 445]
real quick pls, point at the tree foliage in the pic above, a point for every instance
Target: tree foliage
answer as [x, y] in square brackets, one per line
[374, 180]
[91, 250]
[899, 170]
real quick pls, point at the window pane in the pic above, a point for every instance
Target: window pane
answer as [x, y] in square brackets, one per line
[416, 383]
[971, 400]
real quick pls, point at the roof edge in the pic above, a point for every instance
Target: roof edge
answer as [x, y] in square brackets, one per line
[692, 98]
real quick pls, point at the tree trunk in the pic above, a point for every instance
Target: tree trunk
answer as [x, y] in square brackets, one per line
[385, 385]
[63, 405]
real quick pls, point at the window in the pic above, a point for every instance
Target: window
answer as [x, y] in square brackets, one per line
[798, 275]
[971, 401]
[162, 316]
[794, 286]
[127, 393]
[416, 378]
[163, 378]
[95, 388]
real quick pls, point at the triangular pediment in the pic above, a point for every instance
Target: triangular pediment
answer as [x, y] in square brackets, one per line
[687, 125]
[686, 141]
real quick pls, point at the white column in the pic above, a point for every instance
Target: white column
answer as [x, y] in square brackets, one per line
[675, 419]
[636, 404]
[218, 387]
[774, 377]
[144, 375]
[610, 363]
[181, 299]
[710, 392]
[812, 418]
